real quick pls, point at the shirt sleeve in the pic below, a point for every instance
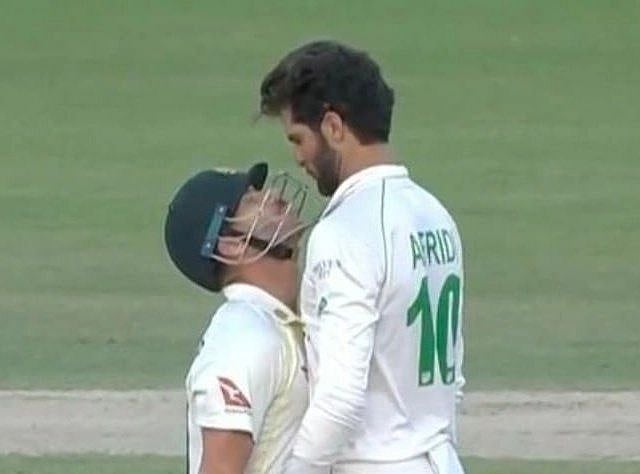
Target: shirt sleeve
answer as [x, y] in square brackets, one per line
[235, 381]
[347, 287]
[460, 380]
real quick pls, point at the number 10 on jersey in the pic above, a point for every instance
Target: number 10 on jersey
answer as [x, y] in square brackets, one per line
[434, 341]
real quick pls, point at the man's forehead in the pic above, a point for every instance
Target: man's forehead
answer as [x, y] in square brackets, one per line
[290, 126]
[252, 195]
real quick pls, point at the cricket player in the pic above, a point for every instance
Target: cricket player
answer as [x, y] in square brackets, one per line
[382, 291]
[246, 388]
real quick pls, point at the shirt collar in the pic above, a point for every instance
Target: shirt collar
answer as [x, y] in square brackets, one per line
[252, 294]
[353, 182]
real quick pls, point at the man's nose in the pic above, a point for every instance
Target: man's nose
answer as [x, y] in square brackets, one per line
[299, 158]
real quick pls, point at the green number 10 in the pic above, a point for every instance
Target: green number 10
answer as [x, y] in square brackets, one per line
[432, 341]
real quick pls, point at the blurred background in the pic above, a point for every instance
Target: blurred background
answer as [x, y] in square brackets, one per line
[522, 116]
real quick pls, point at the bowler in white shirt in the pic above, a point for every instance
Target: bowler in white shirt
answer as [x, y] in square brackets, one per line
[382, 291]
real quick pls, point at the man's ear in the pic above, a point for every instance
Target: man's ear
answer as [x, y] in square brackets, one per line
[332, 129]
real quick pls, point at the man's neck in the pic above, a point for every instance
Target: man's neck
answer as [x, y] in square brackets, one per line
[268, 283]
[366, 156]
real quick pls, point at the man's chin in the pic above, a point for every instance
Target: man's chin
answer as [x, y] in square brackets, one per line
[324, 189]
[323, 192]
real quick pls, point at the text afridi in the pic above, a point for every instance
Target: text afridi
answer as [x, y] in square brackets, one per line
[433, 247]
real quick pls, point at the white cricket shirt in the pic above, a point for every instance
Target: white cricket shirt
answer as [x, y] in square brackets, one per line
[248, 376]
[381, 300]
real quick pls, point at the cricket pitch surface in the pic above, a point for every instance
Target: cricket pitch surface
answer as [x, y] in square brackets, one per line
[500, 424]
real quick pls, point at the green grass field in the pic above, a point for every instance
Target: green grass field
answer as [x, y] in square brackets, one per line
[92, 464]
[161, 465]
[522, 116]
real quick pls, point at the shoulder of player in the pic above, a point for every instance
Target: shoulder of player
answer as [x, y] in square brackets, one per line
[428, 201]
[355, 222]
[239, 325]
[386, 202]
[234, 350]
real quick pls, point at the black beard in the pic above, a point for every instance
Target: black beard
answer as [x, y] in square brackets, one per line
[327, 164]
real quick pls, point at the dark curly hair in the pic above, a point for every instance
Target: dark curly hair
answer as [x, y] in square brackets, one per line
[327, 75]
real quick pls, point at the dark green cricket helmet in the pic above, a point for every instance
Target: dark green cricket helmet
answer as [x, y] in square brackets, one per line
[196, 216]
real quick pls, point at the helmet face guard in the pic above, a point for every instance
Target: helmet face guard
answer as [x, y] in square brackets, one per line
[233, 218]
[271, 227]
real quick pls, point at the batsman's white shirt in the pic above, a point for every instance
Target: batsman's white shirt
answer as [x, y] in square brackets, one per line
[381, 300]
[248, 376]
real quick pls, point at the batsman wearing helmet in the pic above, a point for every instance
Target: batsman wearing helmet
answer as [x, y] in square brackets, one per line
[229, 232]
[382, 291]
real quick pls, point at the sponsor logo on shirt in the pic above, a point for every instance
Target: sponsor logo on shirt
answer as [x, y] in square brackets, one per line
[322, 269]
[322, 306]
[233, 396]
